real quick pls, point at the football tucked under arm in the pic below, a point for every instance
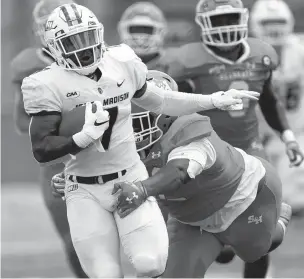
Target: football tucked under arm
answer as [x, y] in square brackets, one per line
[44, 107]
[47, 146]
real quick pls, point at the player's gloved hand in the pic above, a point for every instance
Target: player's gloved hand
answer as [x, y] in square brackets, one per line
[293, 150]
[96, 122]
[294, 153]
[130, 196]
[232, 99]
[58, 185]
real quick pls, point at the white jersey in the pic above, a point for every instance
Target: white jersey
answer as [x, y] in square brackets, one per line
[288, 81]
[60, 90]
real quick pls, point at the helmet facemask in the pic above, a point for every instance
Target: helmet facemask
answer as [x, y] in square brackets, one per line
[225, 28]
[274, 31]
[143, 35]
[146, 131]
[80, 51]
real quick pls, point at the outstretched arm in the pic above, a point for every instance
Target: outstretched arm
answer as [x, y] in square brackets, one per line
[174, 103]
[184, 163]
[275, 115]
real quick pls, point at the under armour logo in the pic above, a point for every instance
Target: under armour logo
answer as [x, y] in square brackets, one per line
[134, 196]
[156, 155]
[256, 220]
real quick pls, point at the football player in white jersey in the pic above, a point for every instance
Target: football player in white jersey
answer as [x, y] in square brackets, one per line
[273, 21]
[104, 151]
[29, 61]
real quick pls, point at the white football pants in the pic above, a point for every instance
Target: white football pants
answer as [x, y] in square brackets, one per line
[97, 231]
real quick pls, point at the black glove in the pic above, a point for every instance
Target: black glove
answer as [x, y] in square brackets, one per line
[130, 196]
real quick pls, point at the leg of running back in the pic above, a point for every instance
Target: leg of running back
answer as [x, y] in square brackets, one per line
[94, 234]
[191, 251]
[143, 233]
[57, 210]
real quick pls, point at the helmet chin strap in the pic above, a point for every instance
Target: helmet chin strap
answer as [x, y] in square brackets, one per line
[45, 49]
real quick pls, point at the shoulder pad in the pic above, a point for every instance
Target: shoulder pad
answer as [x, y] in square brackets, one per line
[186, 129]
[295, 43]
[122, 53]
[194, 54]
[264, 50]
[189, 128]
[162, 80]
[25, 63]
[52, 73]
[189, 56]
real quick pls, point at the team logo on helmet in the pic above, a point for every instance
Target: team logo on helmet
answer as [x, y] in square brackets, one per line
[266, 60]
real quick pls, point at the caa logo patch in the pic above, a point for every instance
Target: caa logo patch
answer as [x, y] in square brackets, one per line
[266, 60]
[72, 95]
[72, 188]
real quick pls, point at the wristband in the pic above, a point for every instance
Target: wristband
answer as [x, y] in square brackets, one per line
[82, 139]
[288, 136]
[142, 187]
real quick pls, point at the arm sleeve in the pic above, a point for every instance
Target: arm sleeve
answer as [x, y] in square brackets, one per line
[38, 97]
[201, 155]
[273, 108]
[172, 103]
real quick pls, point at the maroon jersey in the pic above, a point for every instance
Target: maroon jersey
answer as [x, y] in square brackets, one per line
[211, 189]
[211, 73]
[27, 62]
[161, 61]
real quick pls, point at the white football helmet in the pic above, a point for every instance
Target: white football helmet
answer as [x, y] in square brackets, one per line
[224, 23]
[40, 14]
[149, 127]
[74, 37]
[271, 21]
[143, 27]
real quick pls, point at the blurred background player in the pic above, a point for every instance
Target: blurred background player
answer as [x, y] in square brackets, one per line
[144, 28]
[273, 22]
[27, 62]
[226, 58]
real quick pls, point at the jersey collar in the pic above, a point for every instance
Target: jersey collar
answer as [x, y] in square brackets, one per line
[243, 57]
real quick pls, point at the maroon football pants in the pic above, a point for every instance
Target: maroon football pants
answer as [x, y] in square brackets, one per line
[191, 251]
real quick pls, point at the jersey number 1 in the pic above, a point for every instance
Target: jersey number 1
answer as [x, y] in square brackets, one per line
[105, 141]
